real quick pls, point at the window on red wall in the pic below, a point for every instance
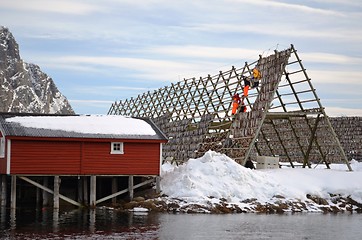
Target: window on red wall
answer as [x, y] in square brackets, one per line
[117, 148]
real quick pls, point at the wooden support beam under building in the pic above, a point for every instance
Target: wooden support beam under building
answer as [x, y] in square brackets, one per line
[45, 193]
[93, 191]
[50, 191]
[114, 190]
[130, 187]
[3, 195]
[13, 192]
[56, 192]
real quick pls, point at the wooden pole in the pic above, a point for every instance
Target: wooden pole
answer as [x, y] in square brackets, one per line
[55, 220]
[92, 220]
[80, 190]
[3, 214]
[3, 200]
[56, 192]
[85, 189]
[13, 192]
[45, 193]
[158, 185]
[114, 190]
[130, 187]
[38, 197]
[93, 191]
[3, 191]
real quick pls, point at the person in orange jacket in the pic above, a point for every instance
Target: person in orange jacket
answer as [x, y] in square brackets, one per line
[255, 77]
[236, 102]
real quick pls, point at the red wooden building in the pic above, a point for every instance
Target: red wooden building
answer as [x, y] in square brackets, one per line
[56, 145]
[31, 145]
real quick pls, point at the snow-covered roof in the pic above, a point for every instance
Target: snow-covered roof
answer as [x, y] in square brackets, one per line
[80, 126]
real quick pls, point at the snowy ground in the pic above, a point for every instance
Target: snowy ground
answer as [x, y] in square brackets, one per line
[216, 183]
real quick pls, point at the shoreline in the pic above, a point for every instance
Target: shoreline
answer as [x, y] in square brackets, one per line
[336, 203]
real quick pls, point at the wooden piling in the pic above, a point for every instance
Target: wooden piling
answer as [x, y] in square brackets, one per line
[56, 192]
[3, 192]
[114, 189]
[93, 191]
[130, 187]
[13, 192]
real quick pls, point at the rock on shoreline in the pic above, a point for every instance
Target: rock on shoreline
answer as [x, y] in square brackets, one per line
[335, 203]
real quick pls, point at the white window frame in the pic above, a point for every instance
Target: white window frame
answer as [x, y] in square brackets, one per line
[2, 144]
[114, 148]
[2, 147]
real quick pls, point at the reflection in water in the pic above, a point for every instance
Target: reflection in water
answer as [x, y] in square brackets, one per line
[107, 223]
[79, 223]
[56, 220]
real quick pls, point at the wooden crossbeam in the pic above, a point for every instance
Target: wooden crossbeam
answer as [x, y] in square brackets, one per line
[71, 201]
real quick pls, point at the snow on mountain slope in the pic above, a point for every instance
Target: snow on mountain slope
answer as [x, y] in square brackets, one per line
[23, 86]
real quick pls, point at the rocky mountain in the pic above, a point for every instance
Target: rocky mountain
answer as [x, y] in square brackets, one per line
[23, 86]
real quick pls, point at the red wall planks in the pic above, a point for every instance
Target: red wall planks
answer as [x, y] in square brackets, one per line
[138, 159]
[83, 158]
[45, 157]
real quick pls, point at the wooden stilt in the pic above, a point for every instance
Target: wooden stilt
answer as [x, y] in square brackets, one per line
[80, 190]
[158, 186]
[56, 192]
[3, 200]
[45, 193]
[3, 215]
[13, 218]
[55, 220]
[93, 191]
[114, 189]
[3, 191]
[92, 220]
[13, 192]
[130, 187]
[85, 189]
[38, 197]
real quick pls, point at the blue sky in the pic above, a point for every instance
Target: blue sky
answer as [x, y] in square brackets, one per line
[98, 52]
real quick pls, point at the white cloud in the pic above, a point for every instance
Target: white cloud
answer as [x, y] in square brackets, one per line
[336, 76]
[282, 30]
[155, 69]
[289, 6]
[106, 90]
[64, 6]
[197, 51]
[342, 2]
[330, 58]
[342, 111]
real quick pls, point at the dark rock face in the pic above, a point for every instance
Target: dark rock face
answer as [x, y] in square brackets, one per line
[24, 87]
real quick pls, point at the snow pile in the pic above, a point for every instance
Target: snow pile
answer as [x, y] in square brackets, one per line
[92, 124]
[218, 176]
[215, 176]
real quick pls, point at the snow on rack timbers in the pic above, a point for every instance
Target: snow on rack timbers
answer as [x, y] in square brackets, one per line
[92, 124]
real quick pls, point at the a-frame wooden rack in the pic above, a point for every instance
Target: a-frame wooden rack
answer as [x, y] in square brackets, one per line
[285, 117]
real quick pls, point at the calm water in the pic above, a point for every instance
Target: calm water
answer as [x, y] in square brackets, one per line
[110, 224]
